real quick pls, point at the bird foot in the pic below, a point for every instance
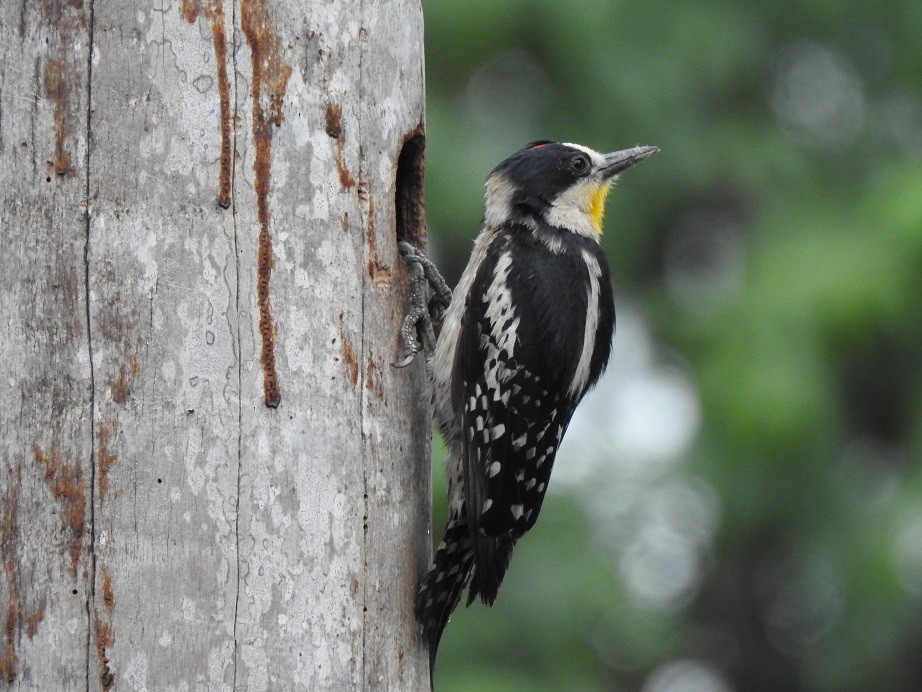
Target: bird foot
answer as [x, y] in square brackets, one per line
[429, 299]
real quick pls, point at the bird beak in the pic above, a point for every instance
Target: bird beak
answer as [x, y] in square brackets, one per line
[620, 161]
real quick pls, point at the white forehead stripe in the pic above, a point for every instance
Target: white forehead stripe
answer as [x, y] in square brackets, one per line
[597, 158]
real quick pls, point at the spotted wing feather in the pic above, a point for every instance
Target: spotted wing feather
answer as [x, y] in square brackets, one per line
[512, 417]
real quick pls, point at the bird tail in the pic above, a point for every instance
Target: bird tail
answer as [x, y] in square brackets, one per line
[492, 555]
[442, 588]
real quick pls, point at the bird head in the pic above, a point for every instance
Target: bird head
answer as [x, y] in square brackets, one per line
[564, 185]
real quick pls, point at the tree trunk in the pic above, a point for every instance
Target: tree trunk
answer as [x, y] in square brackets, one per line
[211, 475]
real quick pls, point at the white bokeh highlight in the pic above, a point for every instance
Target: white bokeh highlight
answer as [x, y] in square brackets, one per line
[623, 457]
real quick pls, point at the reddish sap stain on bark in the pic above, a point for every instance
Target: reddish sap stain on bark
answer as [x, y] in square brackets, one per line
[374, 380]
[56, 90]
[190, 9]
[349, 356]
[267, 91]
[106, 458]
[105, 638]
[9, 530]
[379, 273]
[66, 484]
[333, 117]
[122, 387]
[214, 11]
[61, 75]
[33, 620]
[108, 595]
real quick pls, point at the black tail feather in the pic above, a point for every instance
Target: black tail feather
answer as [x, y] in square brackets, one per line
[493, 555]
[442, 588]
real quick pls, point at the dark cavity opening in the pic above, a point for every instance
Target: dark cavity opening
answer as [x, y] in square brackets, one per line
[411, 211]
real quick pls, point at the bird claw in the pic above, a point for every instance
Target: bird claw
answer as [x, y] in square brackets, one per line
[405, 362]
[429, 298]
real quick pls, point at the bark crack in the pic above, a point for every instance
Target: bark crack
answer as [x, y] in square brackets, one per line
[363, 184]
[91, 599]
[233, 207]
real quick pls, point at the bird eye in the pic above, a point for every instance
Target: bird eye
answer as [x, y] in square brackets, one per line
[579, 165]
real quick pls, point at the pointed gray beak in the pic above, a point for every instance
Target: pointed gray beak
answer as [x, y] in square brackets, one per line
[620, 161]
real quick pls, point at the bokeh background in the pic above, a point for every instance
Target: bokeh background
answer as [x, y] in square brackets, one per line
[738, 505]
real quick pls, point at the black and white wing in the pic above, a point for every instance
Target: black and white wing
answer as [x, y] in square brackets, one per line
[513, 388]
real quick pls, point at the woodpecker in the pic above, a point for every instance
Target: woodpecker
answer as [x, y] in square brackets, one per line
[525, 334]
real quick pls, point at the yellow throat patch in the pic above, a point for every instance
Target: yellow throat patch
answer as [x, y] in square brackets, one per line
[597, 205]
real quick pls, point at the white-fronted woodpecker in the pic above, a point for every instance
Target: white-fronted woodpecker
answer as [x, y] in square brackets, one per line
[527, 333]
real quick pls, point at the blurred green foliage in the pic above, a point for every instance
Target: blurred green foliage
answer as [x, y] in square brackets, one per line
[774, 250]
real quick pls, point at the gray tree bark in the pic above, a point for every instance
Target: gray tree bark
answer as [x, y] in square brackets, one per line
[211, 476]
